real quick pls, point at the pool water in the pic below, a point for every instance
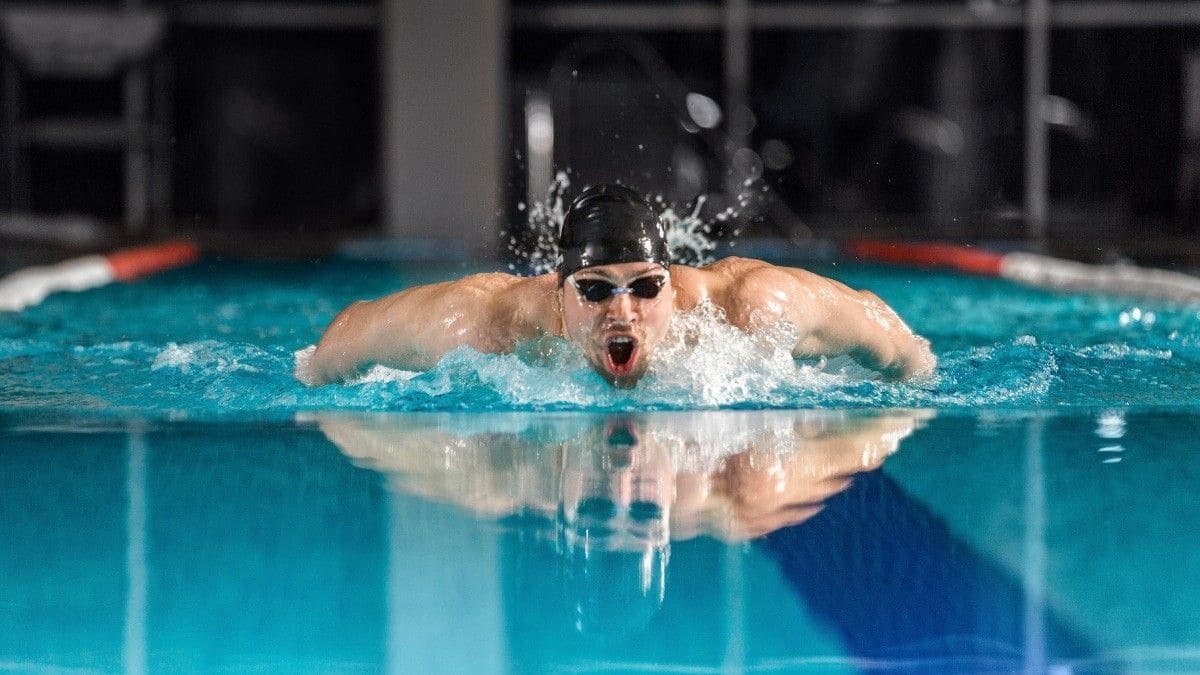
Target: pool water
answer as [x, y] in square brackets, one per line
[220, 340]
[728, 541]
[172, 499]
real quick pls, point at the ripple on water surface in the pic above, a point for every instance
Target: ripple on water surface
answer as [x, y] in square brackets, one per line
[225, 338]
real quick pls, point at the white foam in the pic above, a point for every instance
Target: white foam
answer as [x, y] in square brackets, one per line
[718, 364]
[379, 373]
[703, 362]
[204, 355]
[1112, 351]
[302, 370]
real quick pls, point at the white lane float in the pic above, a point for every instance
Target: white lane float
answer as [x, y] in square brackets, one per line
[1040, 271]
[29, 286]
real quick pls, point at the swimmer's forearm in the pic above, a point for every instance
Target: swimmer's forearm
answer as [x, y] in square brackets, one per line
[898, 352]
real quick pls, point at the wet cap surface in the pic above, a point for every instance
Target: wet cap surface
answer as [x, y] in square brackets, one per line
[610, 224]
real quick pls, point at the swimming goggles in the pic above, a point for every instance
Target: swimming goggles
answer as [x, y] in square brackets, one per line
[598, 290]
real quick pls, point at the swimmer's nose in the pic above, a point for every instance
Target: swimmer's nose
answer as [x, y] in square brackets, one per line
[621, 306]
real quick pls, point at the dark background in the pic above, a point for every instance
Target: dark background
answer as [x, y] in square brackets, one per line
[910, 132]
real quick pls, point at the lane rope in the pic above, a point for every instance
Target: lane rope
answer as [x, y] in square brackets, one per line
[30, 286]
[1040, 271]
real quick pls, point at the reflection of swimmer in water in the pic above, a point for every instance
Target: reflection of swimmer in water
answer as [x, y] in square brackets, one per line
[613, 296]
[665, 476]
[595, 510]
[612, 494]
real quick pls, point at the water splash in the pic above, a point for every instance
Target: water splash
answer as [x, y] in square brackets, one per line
[703, 362]
[720, 365]
[206, 355]
[536, 249]
[127, 350]
[692, 236]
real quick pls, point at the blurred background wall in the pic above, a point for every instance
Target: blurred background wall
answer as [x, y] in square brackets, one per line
[274, 127]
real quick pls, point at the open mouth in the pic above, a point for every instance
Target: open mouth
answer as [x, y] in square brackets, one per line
[621, 352]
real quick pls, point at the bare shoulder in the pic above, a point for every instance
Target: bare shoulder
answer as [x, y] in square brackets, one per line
[522, 290]
[734, 267]
[526, 306]
[735, 271]
[753, 291]
[715, 282]
[796, 280]
[485, 282]
[743, 277]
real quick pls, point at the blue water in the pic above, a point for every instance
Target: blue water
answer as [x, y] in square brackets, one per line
[173, 500]
[777, 541]
[219, 339]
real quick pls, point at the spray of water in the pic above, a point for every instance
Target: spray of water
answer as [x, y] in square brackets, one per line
[709, 362]
[691, 234]
[536, 249]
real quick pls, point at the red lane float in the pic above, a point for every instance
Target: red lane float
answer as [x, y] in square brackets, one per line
[961, 258]
[31, 285]
[1040, 271]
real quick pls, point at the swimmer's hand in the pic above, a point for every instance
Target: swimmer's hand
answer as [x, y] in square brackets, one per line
[914, 361]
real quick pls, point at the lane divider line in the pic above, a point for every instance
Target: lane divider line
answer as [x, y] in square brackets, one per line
[30, 286]
[1039, 271]
[961, 258]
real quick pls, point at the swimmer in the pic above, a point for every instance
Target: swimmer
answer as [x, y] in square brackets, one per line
[613, 296]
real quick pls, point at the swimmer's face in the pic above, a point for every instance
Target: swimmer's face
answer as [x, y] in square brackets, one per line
[618, 332]
[617, 490]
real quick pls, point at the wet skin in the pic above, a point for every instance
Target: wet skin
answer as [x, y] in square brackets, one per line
[618, 334]
[493, 312]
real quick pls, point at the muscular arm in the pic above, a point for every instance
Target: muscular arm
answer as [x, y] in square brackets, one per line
[833, 319]
[414, 328]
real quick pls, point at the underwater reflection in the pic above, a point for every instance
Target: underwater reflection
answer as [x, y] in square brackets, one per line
[609, 493]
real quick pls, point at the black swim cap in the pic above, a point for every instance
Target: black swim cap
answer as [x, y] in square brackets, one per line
[609, 224]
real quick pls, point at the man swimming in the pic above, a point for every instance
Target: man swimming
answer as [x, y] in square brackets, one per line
[613, 296]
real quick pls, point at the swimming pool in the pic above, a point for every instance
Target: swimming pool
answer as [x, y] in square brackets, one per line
[218, 340]
[173, 500]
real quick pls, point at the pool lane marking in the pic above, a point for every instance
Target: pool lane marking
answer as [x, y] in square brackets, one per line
[1036, 657]
[30, 286]
[1032, 269]
[133, 647]
[961, 258]
[135, 263]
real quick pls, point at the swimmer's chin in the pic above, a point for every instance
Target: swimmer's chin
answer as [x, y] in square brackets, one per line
[620, 381]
